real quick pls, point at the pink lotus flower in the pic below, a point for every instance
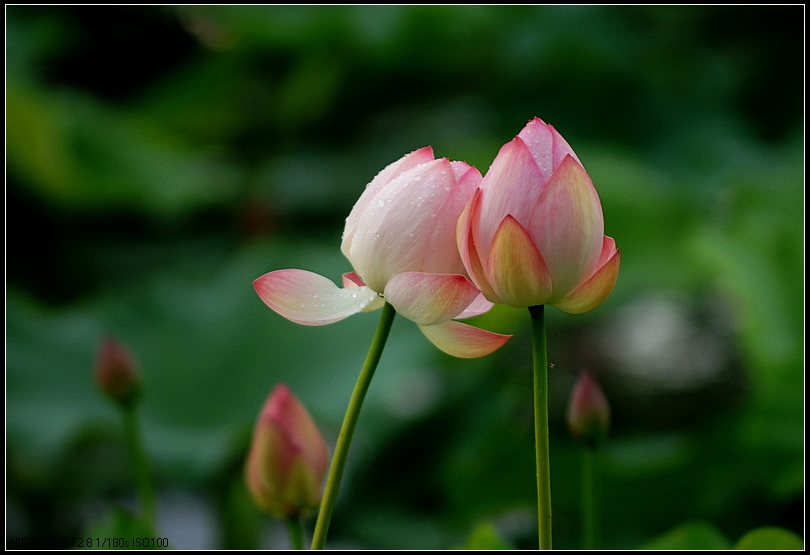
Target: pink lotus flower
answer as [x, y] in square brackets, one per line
[288, 457]
[533, 232]
[400, 239]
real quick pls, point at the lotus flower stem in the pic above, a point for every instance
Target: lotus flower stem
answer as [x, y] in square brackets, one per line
[140, 463]
[590, 516]
[540, 360]
[349, 422]
[296, 529]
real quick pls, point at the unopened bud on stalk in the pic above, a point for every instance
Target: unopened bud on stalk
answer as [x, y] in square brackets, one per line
[288, 458]
[588, 410]
[117, 374]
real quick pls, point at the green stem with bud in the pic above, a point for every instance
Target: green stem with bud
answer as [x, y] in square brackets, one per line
[140, 463]
[540, 373]
[296, 528]
[349, 422]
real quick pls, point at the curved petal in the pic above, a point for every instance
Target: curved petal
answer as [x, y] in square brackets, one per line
[567, 226]
[429, 299]
[479, 306]
[593, 291]
[516, 268]
[310, 299]
[468, 248]
[463, 340]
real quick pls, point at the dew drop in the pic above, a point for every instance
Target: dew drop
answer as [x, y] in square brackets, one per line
[354, 295]
[382, 203]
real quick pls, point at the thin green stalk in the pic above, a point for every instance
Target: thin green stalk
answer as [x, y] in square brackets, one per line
[590, 517]
[140, 464]
[296, 528]
[349, 422]
[540, 364]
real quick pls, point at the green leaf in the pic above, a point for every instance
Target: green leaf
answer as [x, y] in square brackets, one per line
[691, 535]
[770, 537]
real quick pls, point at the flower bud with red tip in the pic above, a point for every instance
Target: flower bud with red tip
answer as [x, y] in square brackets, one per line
[588, 410]
[288, 458]
[117, 373]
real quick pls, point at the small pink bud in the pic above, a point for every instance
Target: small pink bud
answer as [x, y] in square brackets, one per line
[588, 410]
[117, 373]
[288, 457]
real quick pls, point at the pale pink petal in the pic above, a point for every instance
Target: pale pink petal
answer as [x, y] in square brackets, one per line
[593, 291]
[311, 299]
[516, 268]
[511, 187]
[480, 305]
[351, 279]
[538, 137]
[395, 232]
[462, 340]
[567, 226]
[407, 162]
[561, 148]
[428, 299]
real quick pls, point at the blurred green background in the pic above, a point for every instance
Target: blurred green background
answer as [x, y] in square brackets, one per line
[160, 159]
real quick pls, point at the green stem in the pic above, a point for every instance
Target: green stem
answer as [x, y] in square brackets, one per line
[590, 517]
[540, 364]
[349, 422]
[140, 464]
[296, 529]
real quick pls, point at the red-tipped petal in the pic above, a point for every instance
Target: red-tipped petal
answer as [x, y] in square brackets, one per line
[463, 340]
[310, 299]
[593, 291]
[567, 226]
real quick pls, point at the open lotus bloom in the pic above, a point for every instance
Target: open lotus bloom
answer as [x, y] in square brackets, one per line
[400, 240]
[533, 231]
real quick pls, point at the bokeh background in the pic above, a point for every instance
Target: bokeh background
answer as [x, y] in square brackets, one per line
[159, 159]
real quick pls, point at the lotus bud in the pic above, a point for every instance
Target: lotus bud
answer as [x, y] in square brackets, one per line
[117, 374]
[287, 459]
[588, 410]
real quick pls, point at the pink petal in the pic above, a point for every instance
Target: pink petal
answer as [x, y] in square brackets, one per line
[462, 340]
[480, 305]
[395, 233]
[407, 162]
[311, 299]
[429, 299]
[561, 148]
[540, 141]
[351, 279]
[567, 226]
[511, 186]
[466, 230]
[593, 291]
[516, 268]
